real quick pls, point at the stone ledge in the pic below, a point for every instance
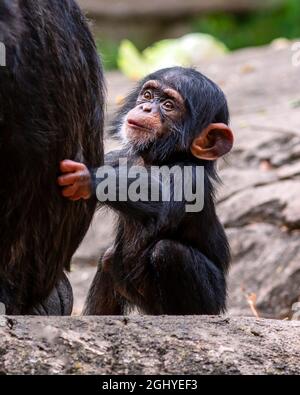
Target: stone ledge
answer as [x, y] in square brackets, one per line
[148, 345]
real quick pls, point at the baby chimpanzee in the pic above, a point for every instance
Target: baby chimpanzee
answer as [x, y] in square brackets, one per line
[165, 259]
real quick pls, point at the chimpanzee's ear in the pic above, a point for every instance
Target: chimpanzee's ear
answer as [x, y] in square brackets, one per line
[213, 142]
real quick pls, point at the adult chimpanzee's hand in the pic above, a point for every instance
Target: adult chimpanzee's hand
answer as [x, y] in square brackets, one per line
[76, 180]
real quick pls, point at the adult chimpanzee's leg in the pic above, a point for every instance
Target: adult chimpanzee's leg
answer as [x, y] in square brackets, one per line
[60, 301]
[103, 298]
[6, 297]
[183, 281]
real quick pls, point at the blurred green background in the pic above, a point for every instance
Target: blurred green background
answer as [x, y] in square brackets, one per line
[253, 29]
[236, 26]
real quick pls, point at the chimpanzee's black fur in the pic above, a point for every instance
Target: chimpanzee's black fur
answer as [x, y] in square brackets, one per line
[165, 260]
[51, 108]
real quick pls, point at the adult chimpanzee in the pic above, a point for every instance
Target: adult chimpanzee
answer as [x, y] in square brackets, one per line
[51, 107]
[164, 260]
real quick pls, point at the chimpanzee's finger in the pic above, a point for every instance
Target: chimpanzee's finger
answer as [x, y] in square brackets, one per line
[68, 179]
[68, 166]
[70, 191]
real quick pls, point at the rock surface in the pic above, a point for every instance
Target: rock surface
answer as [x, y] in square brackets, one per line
[148, 345]
[259, 200]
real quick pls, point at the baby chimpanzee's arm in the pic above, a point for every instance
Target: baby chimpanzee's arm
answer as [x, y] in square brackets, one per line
[79, 182]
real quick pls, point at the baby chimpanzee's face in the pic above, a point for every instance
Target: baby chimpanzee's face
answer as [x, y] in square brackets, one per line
[159, 108]
[176, 111]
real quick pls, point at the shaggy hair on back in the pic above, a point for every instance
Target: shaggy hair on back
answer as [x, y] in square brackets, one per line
[51, 108]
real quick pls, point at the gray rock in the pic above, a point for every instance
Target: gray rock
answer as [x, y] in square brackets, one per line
[266, 263]
[236, 180]
[276, 203]
[148, 345]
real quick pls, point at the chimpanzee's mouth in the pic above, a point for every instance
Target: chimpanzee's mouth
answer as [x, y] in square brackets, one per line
[136, 125]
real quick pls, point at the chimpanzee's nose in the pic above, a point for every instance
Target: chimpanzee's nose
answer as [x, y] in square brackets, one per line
[147, 107]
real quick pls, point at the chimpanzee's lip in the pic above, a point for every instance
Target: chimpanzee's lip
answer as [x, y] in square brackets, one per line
[137, 125]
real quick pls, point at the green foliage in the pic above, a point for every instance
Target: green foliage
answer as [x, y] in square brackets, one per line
[186, 51]
[109, 53]
[259, 28]
[234, 30]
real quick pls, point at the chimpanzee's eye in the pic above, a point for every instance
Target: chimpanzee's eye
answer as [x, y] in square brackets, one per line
[147, 95]
[168, 105]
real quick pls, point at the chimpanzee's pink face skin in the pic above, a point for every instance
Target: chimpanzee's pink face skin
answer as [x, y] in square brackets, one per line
[157, 105]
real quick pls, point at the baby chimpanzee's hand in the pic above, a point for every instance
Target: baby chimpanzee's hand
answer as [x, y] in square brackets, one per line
[76, 180]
